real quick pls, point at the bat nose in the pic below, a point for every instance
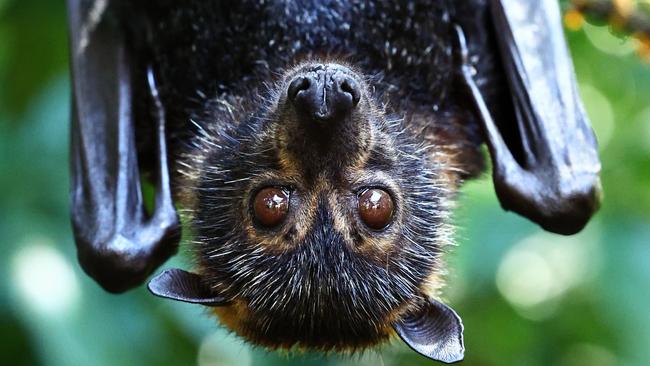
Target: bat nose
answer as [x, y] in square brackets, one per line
[324, 92]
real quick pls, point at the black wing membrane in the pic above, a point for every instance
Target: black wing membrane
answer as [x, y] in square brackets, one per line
[557, 184]
[118, 243]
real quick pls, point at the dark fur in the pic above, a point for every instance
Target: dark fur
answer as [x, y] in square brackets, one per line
[322, 280]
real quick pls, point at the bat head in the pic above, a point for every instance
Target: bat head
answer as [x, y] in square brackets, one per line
[319, 220]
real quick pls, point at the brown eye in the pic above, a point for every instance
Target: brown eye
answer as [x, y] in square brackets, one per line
[375, 208]
[271, 206]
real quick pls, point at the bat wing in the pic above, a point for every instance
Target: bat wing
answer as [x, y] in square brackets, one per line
[118, 243]
[555, 180]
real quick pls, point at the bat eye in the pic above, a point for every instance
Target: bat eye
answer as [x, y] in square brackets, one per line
[271, 206]
[375, 208]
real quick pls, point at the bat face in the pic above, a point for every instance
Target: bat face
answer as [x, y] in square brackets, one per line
[320, 219]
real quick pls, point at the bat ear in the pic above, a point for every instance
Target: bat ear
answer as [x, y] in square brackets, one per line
[118, 243]
[545, 157]
[436, 332]
[179, 285]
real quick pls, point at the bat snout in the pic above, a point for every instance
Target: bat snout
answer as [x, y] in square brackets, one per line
[324, 93]
[325, 111]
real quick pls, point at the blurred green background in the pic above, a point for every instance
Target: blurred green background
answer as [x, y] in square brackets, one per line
[527, 297]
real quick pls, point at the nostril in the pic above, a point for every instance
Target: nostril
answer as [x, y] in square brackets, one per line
[297, 85]
[351, 87]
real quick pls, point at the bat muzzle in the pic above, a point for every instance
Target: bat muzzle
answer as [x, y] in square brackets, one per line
[326, 113]
[324, 93]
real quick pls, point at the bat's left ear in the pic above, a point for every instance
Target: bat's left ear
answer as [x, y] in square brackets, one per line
[435, 331]
[179, 285]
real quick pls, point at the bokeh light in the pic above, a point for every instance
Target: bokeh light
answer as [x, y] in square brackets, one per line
[605, 42]
[541, 268]
[44, 278]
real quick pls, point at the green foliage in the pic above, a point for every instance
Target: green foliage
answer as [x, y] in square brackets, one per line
[527, 297]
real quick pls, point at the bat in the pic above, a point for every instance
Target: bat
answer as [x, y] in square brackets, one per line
[316, 148]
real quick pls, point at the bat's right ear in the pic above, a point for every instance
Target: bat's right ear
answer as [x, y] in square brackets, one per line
[435, 331]
[118, 244]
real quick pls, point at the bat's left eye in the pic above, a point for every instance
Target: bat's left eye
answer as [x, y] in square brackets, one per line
[271, 206]
[375, 208]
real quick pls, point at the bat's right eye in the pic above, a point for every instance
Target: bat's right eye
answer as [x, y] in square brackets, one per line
[271, 206]
[376, 208]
